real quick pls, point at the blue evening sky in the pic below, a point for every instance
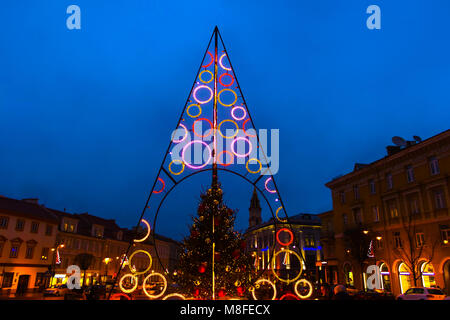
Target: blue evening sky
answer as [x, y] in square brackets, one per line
[86, 115]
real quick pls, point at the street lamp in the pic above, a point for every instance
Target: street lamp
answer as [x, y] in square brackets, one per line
[379, 238]
[106, 261]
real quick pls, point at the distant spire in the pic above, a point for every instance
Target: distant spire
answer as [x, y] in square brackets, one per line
[254, 202]
[254, 210]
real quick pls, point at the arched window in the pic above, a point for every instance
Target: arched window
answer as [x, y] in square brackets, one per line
[348, 274]
[404, 277]
[427, 273]
[385, 277]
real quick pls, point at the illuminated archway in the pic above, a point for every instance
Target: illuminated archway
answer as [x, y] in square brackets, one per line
[427, 275]
[348, 274]
[404, 277]
[385, 277]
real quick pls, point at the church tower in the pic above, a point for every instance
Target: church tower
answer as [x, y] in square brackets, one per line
[254, 210]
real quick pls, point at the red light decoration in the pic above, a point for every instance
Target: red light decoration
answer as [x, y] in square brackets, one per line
[199, 135]
[285, 243]
[221, 293]
[162, 188]
[117, 296]
[289, 296]
[202, 269]
[243, 128]
[240, 291]
[229, 75]
[210, 63]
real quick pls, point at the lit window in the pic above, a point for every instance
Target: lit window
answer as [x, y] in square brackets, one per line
[14, 251]
[434, 166]
[393, 211]
[44, 254]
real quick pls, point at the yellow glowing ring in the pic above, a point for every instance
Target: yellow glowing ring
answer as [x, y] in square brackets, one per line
[130, 264]
[310, 289]
[235, 132]
[151, 296]
[269, 282]
[253, 159]
[174, 295]
[128, 290]
[176, 161]
[148, 231]
[274, 261]
[194, 105]
[227, 105]
[276, 213]
[207, 71]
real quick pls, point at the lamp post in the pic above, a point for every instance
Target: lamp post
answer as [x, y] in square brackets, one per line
[54, 250]
[106, 261]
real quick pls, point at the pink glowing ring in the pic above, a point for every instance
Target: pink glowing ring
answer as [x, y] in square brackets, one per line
[265, 185]
[221, 64]
[162, 188]
[199, 135]
[183, 152]
[241, 155]
[226, 74]
[210, 63]
[243, 128]
[185, 134]
[240, 108]
[225, 164]
[204, 101]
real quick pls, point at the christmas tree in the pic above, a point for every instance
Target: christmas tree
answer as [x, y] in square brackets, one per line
[214, 247]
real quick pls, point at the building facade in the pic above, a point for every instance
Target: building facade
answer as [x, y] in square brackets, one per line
[392, 213]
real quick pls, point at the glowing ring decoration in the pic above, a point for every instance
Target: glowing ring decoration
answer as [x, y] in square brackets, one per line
[285, 244]
[269, 282]
[234, 116]
[140, 272]
[309, 285]
[194, 105]
[241, 155]
[199, 135]
[119, 294]
[170, 167]
[221, 64]
[212, 59]
[235, 132]
[207, 71]
[226, 74]
[183, 152]
[225, 164]
[276, 214]
[253, 159]
[194, 94]
[273, 265]
[148, 231]
[162, 188]
[243, 128]
[156, 296]
[174, 295]
[185, 134]
[265, 185]
[220, 101]
[133, 288]
[289, 295]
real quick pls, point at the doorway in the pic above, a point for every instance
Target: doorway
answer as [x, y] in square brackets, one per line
[447, 277]
[22, 285]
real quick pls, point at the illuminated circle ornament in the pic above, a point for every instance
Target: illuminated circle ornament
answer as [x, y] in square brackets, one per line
[244, 113]
[228, 75]
[221, 63]
[183, 153]
[176, 161]
[274, 265]
[199, 135]
[134, 278]
[227, 104]
[149, 264]
[234, 151]
[265, 281]
[285, 244]
[148, 231]
[210, 63]
[243, 128]
[227, 163]
[235, 131]
[172, 295]
[184, 137]
[194, 115]
[267, 188]
[208, 72]
[276, 214]
[289, 295]
[116, 296]
[156, 296]
[194, 94]
[162, 187]
[306, 283]
[253, 171]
